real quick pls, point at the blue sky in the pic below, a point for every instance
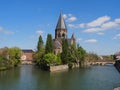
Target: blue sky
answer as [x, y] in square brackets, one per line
[95, 23]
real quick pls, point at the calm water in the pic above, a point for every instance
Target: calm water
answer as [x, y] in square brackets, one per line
[30, 78]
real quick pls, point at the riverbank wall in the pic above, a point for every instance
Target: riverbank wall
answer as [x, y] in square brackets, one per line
[61, 67]
[117, 65]
[58, 68]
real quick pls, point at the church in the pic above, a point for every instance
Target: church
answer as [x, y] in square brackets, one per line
[61, 32]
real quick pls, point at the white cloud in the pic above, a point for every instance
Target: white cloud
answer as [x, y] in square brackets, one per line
[117, 20]
[91, 41]
[109, 25]
[65, 16]
[92, 30]
[40, 32]
[99, 21]
[3, 30]
[71, 25]
[69, 17]
[82, 25]
[100, 33]
[97, 26]
[117, 36]
[101, 25]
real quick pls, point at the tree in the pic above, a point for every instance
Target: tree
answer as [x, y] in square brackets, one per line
[40, 43]
[50, 59]
[73, 53]
[3, 62]
[81, 53]
[65, 53]
[14, 56]
[92, 57]
[38, 56]
[5, 52]
[49, 44]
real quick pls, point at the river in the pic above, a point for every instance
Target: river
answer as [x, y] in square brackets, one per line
[28, 77]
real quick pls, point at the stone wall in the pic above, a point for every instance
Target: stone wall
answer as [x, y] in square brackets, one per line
[58, 68]
[75, 65]
[61, 67]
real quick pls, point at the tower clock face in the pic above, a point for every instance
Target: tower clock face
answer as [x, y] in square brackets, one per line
[23, 57]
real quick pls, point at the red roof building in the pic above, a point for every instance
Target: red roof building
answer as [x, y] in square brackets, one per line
[27, 56]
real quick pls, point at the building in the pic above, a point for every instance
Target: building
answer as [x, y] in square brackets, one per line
[27, 56]
[61, 32]
[117, 56]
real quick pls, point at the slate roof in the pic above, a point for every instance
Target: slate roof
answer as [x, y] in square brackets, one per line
[27, 51]
[61, 23]
[57, 44]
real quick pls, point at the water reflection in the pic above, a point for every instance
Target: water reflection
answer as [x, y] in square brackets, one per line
[31, 78]
[9, 78]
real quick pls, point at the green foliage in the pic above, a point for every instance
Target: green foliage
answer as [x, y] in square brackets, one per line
[92, 57]
[108, 57]
[49, 44]
[59, 59]
[81, 53]
[111, 57]
[38, 55]
[40, 44]
[73, 56]
[77, 55]
[14, 56]
[3, 61]
[5, 52]
[9, 57]
[65, 52]
[50, 59]
[70, 65]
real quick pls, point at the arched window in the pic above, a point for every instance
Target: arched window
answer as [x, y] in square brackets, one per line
[63, 35]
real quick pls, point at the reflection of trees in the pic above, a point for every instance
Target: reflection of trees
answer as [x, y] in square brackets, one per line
[9, 78]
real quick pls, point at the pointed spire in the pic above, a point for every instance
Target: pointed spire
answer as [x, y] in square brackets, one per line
[73, 36]
[61, 23]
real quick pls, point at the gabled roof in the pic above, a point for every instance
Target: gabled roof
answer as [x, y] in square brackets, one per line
[27, 51]
[61, 23]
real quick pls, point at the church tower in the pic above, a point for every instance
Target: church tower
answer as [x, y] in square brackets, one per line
[61, 33]
[61, 29]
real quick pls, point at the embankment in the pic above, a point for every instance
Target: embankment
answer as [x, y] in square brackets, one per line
[117, 65]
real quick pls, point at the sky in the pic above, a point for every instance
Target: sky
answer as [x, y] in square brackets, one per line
[95, 23]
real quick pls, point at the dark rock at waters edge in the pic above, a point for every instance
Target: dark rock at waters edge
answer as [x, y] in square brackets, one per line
[117, 65]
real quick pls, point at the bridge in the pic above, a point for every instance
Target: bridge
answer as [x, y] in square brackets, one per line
[102, 62]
